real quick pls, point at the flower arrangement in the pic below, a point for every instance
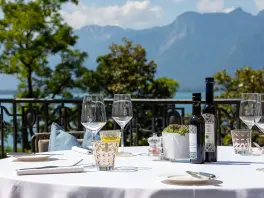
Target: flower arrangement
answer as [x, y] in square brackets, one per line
[176, 128]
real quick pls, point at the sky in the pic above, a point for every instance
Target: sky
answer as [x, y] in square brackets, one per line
[140, 14]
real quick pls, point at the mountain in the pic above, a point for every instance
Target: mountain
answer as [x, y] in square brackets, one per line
[191, 48]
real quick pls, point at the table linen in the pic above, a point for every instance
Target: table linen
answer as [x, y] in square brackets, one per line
[237, 178]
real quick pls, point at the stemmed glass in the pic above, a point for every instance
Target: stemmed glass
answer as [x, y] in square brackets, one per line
[122, 114]
[259, 121]
[248, 110]
[93, 116]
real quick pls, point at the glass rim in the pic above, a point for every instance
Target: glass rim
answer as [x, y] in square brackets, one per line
[249, 93]
[102, 142]
[122, 94]
[113, 131]
[240, 130]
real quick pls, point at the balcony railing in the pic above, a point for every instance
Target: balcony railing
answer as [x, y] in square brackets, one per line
[21, 118]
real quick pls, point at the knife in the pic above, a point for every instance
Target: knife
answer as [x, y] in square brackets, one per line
[194, 174]
[211, 176]
[199, 174]
[11, 154]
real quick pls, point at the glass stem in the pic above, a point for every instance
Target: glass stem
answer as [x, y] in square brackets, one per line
[94, 134]
[122, 140]
[250, 138]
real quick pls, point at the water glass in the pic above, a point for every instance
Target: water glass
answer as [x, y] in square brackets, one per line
[110, 136]
[241, 139]
[105, 154]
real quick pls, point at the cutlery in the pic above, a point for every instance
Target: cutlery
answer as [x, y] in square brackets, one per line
[13, 154]
[199, 174]
[193, 174]
[44, 167]
[257, 145]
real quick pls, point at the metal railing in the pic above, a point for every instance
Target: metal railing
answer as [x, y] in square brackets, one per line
[21, 118]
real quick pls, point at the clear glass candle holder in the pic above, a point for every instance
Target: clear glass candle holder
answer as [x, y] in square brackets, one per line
[105, 154]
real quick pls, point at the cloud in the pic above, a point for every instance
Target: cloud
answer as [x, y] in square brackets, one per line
[210, 5]
[133, 14]
[260, 4]
[228, 10]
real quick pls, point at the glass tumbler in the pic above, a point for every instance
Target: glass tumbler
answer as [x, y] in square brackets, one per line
[105, 154]
[241, 139]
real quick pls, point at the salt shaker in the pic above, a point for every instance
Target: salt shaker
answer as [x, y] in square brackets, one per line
[154, 145]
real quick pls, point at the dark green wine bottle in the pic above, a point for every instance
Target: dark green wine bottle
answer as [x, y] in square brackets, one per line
[209, 115]
[196, 131]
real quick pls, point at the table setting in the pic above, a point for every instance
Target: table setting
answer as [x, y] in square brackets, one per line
[99, 168]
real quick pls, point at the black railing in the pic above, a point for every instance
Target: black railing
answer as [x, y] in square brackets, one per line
[21, 118]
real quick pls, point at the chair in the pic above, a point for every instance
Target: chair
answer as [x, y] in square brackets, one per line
[40, 141]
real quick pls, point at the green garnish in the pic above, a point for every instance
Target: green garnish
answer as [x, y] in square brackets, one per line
[176, 128]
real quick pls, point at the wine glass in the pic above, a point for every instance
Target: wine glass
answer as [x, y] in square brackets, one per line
[122, 114]
[93, 116]
[248, 110]
[259, 121]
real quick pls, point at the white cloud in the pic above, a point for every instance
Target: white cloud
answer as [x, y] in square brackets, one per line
[135, 14]
[260, 4]
[228, 10]
[210, 5]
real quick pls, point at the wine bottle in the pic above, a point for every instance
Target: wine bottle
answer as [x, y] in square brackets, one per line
[209, 115]
[196, 131]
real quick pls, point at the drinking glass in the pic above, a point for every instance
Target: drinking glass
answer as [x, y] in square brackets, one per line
[110, 136]
[93, 116]
[259, 121]
[248, 110]
[122, 114]
[104, 154]
[241, 141]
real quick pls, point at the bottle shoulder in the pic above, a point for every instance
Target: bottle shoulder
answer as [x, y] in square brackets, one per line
[196, 119]
[209, 108]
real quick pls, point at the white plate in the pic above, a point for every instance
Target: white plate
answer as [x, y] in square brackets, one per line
[32, 158]
[185, 180]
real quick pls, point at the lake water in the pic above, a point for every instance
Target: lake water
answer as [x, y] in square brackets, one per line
[179, 95]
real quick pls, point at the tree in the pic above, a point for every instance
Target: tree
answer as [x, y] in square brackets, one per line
[30, 32]
[245, 80]
[126, 70]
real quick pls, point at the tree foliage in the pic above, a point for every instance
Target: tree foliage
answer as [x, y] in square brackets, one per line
[244, 80]
[30, 32]
[126, 70]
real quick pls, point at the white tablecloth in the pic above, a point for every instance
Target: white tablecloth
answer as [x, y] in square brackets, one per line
[237, 178]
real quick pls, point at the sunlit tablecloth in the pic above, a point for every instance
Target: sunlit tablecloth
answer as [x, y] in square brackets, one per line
[237, 173]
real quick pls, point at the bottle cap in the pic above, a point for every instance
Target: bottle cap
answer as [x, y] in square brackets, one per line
[197, 96]
[209, 79]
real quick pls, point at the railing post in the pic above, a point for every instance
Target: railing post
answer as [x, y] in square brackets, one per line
[153, 119]
[46, 116]
[79, 111]
[2, 133]
[218, 124]
[238, 122]
[15, 125]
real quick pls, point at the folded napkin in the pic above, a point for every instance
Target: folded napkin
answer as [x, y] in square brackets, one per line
[75, 169]
[81, 150]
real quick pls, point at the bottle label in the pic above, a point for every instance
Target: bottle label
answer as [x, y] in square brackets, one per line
[193, 142]
[209, 132]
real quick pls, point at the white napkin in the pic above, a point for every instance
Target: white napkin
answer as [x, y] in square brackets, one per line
[75, 169]
[81, 150]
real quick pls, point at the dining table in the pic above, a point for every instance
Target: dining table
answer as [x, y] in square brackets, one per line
[137, 176]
